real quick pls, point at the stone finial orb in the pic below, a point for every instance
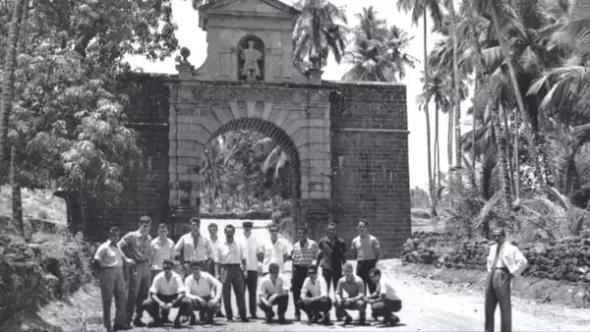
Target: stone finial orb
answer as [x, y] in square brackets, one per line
[185, 52]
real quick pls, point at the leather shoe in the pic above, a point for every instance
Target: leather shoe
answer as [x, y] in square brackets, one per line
[245, 320]
[138, 323]
[121, 327]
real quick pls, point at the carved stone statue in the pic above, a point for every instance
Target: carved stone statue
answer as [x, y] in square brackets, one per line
[250, 71]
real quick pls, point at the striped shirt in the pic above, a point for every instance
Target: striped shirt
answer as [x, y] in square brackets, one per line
[305, 254]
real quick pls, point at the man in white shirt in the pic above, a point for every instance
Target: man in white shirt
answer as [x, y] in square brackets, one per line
[273, 290]
[504, 262]
[203, 293]
[384, 301]
[251, 249]
[231, 264]
[162, 249]
[275, 251]
[166, 292]
[214, 241]
[193, 247]
[314, 297]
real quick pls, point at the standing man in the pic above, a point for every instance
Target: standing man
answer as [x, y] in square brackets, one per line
[193, 247]
[203, 293]
[166, 292]
[314, 297]
[273, 291]
[305, 251]
[366, 248]
[162, 249]
[230, 270]
[251, 247]
[137, 247]
[331, 256]
[275, 251]
[350, 294]
[504, 262]
[384, 301]
[109, 261]
[214, 240]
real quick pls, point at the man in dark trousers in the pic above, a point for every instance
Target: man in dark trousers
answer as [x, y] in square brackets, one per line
[251, 251]
[231, 264]
[504, 262]
[367, 249]
[273, 291]
[137, 248]
[305, 252]
[109, 262]
[331, 256]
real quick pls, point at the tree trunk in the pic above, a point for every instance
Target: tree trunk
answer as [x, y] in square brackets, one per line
[436, 151]
[427, 115]
[456, 98]
[17, 203]
[8, 82]
[502, 155]
[450, 140]
[504, 120]
[520, 103]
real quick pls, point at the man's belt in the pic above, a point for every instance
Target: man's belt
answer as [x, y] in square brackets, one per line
[301, 266]
[505, 269]
[231, 265]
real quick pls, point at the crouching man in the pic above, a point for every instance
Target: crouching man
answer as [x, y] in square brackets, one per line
[273, 291]
[384, 301]
[314, 297]
[350, 294]
[203, 294]
[166, 292]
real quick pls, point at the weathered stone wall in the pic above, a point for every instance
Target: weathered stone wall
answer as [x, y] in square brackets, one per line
[370, 177]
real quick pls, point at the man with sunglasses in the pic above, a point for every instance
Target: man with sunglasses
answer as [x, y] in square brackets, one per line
[166, 292]
[504, 262]
[314, 297]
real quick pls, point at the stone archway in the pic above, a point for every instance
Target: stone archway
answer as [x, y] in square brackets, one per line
[202, 110]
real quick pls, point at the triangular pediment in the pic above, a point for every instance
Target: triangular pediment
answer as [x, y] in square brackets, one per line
[263, 7]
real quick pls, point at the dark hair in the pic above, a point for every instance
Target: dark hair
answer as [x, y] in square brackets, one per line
[273, 266]
[302, 228]
[212, 225]
[312, 268]
[363, 221]
[167, 262]
[375, 272]
[230, 227]
[331, 224]
[195, 264]
[194, 220]
[162, 225]
[145, 220]
[273, 226]
[114, 229]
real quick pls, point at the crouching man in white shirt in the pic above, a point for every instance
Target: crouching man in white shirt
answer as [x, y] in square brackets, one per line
[384, 301]
[166, 292]
[273, 290]
[203, 294]
[314, 297]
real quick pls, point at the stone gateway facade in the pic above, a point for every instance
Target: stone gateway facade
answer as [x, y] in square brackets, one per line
[348, 143]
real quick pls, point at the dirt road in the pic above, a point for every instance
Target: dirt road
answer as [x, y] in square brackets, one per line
[428, 305]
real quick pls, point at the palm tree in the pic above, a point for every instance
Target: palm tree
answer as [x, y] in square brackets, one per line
[8, 81]
[419, 9]
[320, 28]
[377, 53]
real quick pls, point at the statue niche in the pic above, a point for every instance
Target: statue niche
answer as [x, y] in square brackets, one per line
[251, 59]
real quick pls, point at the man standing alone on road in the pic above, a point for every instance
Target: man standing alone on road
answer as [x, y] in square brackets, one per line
[251, 247]
[331, 256]
[305, 251]
[504, 262]
[230, 270]
[366, 248]
[137, 247]
[109, 261]
[162, 249]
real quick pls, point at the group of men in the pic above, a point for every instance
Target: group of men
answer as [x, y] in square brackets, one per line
[138, 272]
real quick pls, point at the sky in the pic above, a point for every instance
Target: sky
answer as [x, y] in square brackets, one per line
[191, 36]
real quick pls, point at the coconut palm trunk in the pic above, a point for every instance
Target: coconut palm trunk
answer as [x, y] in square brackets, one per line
[502, 153]
[427, 116]
[456, 97]
[8, 81]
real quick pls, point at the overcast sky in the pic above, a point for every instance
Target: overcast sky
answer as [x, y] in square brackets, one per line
[191, 36]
